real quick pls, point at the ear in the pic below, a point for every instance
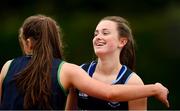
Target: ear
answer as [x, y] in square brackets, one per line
[122, 42]
[29, 45]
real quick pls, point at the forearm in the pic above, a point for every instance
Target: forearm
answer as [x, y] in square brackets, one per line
[131, 92]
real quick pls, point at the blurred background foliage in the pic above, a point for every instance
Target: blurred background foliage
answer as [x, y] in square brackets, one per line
[155, 25]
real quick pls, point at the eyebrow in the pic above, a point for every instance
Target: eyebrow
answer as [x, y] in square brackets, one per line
[104, 29]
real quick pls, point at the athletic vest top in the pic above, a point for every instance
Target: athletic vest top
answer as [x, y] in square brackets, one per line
[12, 98]
[86, 102]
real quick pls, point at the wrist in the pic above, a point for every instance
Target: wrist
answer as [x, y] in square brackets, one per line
[156, 89]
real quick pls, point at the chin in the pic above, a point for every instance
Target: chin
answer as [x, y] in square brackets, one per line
[99, 53]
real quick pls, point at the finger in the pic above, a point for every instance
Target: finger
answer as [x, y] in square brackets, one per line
[167, 104]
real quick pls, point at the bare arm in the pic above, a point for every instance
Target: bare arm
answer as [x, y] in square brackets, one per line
[73, 76]
[3, 74]
[138, 104]
[71, 103]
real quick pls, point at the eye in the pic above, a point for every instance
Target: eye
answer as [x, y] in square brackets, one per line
[106, 32]
[95, 33]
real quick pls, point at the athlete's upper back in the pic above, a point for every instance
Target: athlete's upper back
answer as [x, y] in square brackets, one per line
[12, 98]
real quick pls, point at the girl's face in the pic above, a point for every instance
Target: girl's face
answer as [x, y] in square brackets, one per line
[106, 38]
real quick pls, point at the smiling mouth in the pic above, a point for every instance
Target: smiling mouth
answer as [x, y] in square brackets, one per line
[100, 43]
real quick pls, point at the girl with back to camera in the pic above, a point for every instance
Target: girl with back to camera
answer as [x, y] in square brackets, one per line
[40, 79]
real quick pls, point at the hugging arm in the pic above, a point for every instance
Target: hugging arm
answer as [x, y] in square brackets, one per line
[77, 77]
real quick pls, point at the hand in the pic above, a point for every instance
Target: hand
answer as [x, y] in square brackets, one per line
[162, 94]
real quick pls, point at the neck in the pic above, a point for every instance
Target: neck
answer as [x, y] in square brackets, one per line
[108, 66]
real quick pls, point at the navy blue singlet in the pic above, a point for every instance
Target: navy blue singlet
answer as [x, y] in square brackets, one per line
[12, 98]
[86, 102]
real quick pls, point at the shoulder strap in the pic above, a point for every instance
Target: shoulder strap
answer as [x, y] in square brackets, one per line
[89, 67]
[124, 75]
[85, 66]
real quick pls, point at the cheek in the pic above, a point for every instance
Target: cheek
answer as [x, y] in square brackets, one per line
[112, 44]
[93, 42]
[24, 46]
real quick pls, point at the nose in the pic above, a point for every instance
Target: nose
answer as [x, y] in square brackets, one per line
[98, 37]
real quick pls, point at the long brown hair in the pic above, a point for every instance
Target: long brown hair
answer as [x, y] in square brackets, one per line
[35, 80]
[127, 55]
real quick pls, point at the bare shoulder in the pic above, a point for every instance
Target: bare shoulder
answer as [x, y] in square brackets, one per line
[68, 74]
[5, 68]
[72, 71]
[69, 68]
[135, 79]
